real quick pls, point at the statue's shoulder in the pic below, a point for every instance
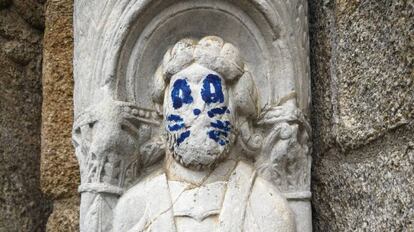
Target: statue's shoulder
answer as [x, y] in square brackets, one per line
[147, 183]
[267, 203]
[133, 204]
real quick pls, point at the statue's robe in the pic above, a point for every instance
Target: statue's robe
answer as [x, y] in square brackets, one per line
[250, 204]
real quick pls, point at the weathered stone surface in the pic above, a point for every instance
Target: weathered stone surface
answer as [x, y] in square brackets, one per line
[374, 68]
[320, 26]
[65, 216]
[370, 190]
[31, 11]
[366, 51]
[59, 168]
[362, 83]
[4, 3]
[22, 206]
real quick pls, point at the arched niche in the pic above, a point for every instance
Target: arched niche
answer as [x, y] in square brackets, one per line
[206, 19]
[138, 33]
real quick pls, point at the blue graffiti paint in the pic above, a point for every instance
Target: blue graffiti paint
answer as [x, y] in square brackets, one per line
[179, 122]
[181, 93]
[182, 137]
[212, 92]
[196, 112]
[174, 118]
[217, 111]
[214, 135]
[225, 126]
[176, 127]
[221, 132]
[217, 136]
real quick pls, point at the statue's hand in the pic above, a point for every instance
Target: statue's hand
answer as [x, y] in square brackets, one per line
[285, 150]
[152, 151]
[276, 114]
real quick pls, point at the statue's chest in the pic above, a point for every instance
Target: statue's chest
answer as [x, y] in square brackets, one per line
[197, 206]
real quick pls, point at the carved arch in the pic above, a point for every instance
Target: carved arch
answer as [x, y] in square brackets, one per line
[123, 23]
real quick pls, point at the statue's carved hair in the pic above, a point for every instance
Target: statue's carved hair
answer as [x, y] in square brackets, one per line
[215, 54]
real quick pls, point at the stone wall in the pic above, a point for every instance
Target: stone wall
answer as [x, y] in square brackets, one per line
[22, 206]
[363, 105]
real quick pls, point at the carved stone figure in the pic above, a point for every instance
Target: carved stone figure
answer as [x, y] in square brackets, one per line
[196, 127]
[203, 185]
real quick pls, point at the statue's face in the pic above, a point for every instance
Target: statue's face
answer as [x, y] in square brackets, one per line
[198, 117]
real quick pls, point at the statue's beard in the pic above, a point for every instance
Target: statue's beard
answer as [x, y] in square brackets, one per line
[198, 151]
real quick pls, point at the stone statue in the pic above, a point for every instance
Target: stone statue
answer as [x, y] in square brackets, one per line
[192, 115]
[203, 185]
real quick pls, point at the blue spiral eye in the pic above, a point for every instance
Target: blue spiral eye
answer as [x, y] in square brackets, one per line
[212, 92]
[181, 93]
